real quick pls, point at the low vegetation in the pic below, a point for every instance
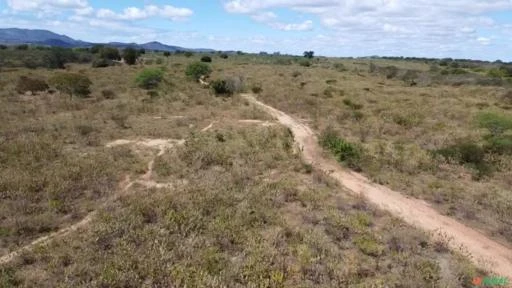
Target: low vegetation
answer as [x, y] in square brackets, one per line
[149, 78]
[72, 84]
[197, 70]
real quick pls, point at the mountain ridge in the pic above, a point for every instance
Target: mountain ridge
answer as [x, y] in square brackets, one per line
[16, 36]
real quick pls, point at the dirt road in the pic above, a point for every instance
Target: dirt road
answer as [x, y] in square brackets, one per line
[486, 253]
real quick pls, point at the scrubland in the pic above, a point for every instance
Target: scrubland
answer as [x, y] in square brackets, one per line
[248, 212]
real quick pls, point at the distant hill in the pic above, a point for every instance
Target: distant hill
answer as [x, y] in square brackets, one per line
[15, 36]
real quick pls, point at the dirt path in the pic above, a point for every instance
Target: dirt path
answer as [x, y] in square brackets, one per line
[486, 253]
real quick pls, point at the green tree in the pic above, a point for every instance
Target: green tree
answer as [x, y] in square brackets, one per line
[309, 54]
[72, 84]
[167, 53]
[198, 69]
[130, 55]
[206, 59]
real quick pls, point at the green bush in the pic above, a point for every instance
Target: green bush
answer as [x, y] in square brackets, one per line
[224, 56]
[22, 47]
[497, 124]
[188, 54]
[110, 53]
[499, 145]
[206, 59]
[130, 55]
[167, 53]
[149, 78]
[466, 152]
[57, 57]
[345, 152]
[197, 69]
[72, 84]
[3, 47]
[26, 84]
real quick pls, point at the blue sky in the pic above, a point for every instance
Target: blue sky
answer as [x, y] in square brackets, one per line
[479, 29]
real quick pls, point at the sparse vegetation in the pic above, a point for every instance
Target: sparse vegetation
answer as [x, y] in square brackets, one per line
[130, 55]
[27, 84]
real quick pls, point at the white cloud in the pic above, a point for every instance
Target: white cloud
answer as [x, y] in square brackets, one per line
[484, 40]
[32, 5]
[304, 26]
[134, 13]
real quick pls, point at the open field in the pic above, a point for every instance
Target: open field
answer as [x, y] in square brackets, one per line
[244, 209]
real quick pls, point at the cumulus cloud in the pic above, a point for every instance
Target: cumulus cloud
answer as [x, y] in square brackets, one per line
[401, 27]
[134, 13]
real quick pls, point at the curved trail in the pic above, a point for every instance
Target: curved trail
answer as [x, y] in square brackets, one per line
[486, 253]
[145, 180]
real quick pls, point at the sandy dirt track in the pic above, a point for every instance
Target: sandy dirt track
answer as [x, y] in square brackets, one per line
[485, 252]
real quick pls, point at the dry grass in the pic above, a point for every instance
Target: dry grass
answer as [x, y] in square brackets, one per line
[250, 213]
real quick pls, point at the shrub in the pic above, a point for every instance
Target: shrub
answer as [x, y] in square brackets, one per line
[159, 61]
[167, 53]
[305, 63]
[57, 57]
[224, 56]
[22, 47]
[206, 59]
[188, 54]
[345, 152]
[198, 69]
[101, 63]
[227, 87]
[3, 47]
[220, 87]
[296, 74]
[108, 94]
[466, 152]
[72, 84]
[368, 245]
[110, 53]
[256, 89]
[497, 124]
[339, 67]
[26, 84]
[149, 78]
[499, 145]
[391, 72]
[96, 49]
[130, 55]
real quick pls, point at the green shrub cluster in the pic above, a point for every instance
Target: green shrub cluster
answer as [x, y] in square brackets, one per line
[196, 70]
[206, 59]
[345, 152]
[149, 78]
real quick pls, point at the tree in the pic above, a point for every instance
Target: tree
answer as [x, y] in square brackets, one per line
[189, 54]
[130, 56]
[72, 84]
[3, 47]
[110, 53]
[96, 49]
[309, 54]
[57, 57]
[142, 51]
[22, 47]
[167, 53]
[224, 56]
[198, 69]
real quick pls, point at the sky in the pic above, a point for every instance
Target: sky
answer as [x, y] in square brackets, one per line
[476, 29]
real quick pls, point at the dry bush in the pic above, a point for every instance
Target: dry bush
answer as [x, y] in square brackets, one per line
[28, 84]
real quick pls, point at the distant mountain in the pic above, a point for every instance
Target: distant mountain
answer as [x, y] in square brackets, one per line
[14, 36]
